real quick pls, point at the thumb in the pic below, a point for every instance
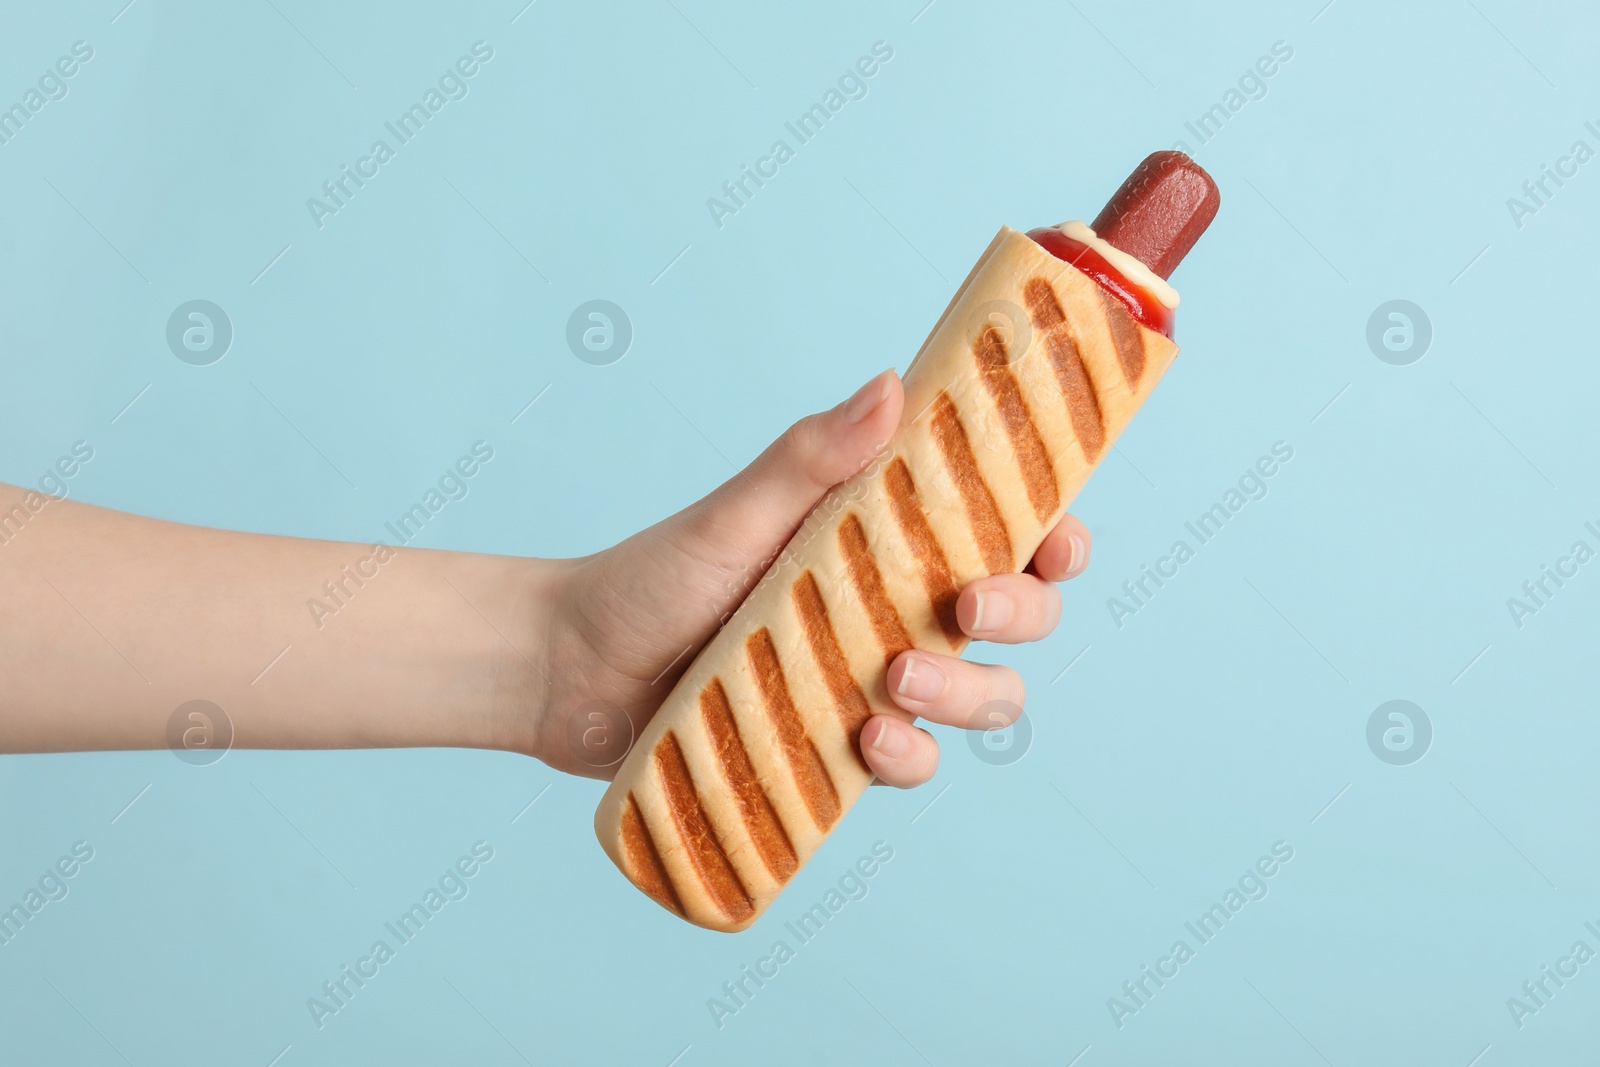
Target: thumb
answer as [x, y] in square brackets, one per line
[752, 515]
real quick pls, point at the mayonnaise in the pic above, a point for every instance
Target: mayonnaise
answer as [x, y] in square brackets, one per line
[1127, 266]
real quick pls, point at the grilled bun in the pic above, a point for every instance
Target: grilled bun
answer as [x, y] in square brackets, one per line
[1024, 384]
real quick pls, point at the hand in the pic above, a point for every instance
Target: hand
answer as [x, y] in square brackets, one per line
[625, 623]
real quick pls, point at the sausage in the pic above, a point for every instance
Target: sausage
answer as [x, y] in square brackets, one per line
[1152, 221]
[1160, 211]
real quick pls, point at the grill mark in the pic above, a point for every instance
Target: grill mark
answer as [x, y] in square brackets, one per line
[1083, 403]
[649, 873]
[760, 818]
[937, 578]
[810, 773]
[988, 528]
[710, 862]
[1125, 336]
[1033, 459]
[848, 699]
[1078, 388]
[864, 574]
[1043, 307]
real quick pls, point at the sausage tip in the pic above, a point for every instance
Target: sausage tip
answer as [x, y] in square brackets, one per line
[1160, 211]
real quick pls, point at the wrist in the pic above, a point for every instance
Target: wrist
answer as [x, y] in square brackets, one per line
[562, 715]
[516, 657]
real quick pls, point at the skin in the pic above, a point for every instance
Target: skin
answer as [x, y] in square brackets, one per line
[109, 621]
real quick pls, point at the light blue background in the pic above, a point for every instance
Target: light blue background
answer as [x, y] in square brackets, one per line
[1225, 716]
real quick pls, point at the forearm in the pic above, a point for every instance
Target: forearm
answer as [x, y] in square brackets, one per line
[110, 621]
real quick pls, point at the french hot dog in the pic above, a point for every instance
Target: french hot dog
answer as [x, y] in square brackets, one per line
[1039, 362]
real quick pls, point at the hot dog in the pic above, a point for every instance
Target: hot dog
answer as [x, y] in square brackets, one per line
[1049, 347]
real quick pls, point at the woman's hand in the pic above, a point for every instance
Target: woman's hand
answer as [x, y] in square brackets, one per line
[114, 622]
[623, 625]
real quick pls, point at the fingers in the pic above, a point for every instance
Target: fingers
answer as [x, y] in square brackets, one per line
[759, 508]
[1013, 608]
[898, 753]
[1009, 608]
[944, 690]
[953, 692]
[1005, 608]
[1064, 552]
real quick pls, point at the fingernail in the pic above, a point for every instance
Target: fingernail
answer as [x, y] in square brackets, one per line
[922, 681]
[994, 610]
[1078, 555]
[890, 742]
[865, 400]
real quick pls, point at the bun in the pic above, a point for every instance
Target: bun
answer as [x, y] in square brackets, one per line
[1025, 382]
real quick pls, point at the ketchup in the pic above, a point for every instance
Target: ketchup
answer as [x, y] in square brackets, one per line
[1146, 309]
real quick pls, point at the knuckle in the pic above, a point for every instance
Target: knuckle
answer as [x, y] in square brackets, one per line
[796, 442]
[996, 715]
[805, 448]
[1048, 601]
[1019, 688]
[973, 690]
[928, 765]
[1001, 699]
